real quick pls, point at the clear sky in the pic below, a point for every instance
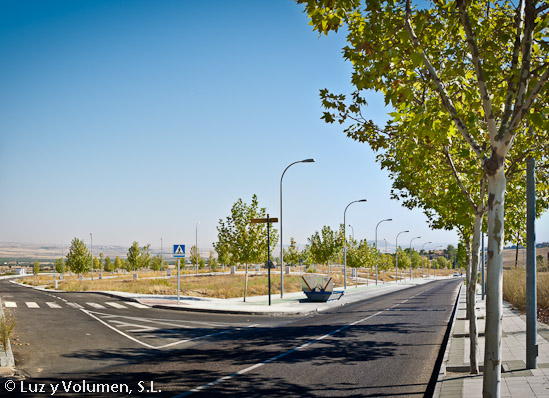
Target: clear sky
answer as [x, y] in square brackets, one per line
[134, 120]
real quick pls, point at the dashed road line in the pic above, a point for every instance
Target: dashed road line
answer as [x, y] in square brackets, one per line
[52, 304]
[32, 304]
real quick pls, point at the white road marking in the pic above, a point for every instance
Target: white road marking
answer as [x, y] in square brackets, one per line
[136, 305]
[52, 305]
[275, 358]
[32, 304]
[115, 305]
[10, 304]
[75, 305]
[95, 305]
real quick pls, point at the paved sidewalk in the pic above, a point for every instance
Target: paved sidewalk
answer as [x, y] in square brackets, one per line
[454, 379]
[290, 304]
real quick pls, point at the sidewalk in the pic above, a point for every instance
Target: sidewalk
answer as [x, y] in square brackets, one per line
[291, 304]
[516, 381]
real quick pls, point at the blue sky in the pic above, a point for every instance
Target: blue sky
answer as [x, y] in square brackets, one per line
[133, 120]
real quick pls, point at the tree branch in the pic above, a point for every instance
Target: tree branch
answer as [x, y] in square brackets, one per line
[448, 104]
[511, 85]
[456, 175]
[481, 79]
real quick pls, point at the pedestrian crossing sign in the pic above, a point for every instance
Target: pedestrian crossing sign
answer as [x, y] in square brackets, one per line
[179, 251]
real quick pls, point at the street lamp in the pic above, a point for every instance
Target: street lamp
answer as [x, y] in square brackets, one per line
[91, 253]
[422, 256]
[352, 229]
[396, 255]
[345, 243]
[281, 245]
[196, 246]
[377, 257]
[417, 237]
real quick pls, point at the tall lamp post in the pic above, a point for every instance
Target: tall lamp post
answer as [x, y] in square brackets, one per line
[345, 242]
[396, 254]
[422, 256]
[377, 257]
[91, 253]
[196, 245]
[281, 244]
[417, 237]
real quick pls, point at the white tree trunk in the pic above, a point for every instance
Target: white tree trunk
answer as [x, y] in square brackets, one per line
[494, 284]
[472, 288]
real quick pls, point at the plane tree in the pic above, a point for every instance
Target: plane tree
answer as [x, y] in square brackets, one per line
[454, 70]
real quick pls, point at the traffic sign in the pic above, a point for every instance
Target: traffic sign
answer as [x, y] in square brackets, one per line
[179, 251]
[263, 220]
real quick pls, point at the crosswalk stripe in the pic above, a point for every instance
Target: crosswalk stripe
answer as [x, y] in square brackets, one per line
[136, 305]
[115, 305]
[74, 305]
[10, 304]
[32, 304]
[52, 304]
[96, 305]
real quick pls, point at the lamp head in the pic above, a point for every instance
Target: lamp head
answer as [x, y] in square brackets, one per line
[308, 161]
[362, 200]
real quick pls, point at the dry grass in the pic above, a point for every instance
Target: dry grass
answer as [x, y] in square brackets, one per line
[514, 288]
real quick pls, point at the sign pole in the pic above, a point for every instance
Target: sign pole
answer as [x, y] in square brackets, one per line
[269, 256]
[178, 262]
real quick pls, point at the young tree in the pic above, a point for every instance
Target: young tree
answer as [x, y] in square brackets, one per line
[212, 261]
[118, 263]
[59, 266]
[245, 242]
[78, 257]
[473, 76]
[193, 258]
[96, 263]
[325, 245]
[156, 263]
[35, 270]
[291, 254]
[109, 266]
[133, 256]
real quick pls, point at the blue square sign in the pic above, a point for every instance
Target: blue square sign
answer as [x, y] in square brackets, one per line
[179, 251]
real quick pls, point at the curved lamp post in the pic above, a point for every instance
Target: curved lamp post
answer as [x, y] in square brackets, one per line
[417, 237]
[345, 242]
[422, 257]
[377, 256]
[396, 254]
[281, 245]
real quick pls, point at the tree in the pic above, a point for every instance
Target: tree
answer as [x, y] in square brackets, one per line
[212, 261]
[59, 266]
[193, 258]
[138, 257]
[36, 270]
[96, 263]
[242, 241]
[325, 245]
[473, 76]
[78, 257]
[156, 263]
[109, 266]
[117, 263]
[291, 254]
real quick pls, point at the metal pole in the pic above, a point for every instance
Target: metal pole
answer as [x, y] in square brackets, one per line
[91, 252]
[178, 266]
[531, 295]
[352, 229]
[281, 244]
[161, 257]
[396, 256]
[345, 243]
[269, 255]
[377, 254]
[417, 237]
[196, 246]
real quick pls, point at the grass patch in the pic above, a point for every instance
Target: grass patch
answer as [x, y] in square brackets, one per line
[6, 328]
[514, 288]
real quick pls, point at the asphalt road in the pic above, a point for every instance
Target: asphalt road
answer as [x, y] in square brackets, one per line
[385, 346]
